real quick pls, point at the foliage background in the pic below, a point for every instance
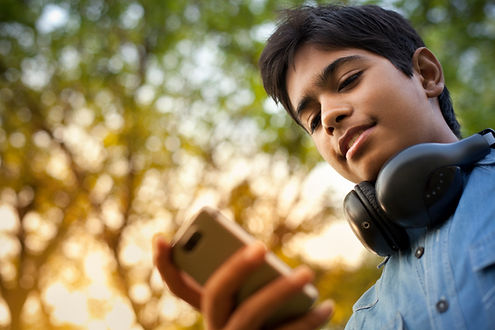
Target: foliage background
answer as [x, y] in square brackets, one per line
[121, 118]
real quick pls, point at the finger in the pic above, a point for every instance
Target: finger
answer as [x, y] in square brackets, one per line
[178, 282]
[256, 310]
[314, 319]
[219, 290]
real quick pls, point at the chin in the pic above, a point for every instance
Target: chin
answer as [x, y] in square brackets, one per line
[369, 174]
[368, 171]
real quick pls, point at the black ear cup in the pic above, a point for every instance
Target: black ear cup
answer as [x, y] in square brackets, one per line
[442, 193]
[369, 222]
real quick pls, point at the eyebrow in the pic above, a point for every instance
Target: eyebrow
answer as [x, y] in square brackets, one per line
[324, 77]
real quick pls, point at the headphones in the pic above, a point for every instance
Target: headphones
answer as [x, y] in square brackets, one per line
[419, 187]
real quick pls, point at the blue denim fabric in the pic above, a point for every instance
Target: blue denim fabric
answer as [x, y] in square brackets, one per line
[452, 285]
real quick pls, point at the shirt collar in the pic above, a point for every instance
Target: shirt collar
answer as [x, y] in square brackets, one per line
[488, 159]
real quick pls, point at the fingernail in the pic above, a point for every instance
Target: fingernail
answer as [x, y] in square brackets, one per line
[158, 239]
[302, 274]
[325, 309]
[255, 250]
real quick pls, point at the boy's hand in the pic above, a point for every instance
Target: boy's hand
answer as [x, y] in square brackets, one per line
[216, 299]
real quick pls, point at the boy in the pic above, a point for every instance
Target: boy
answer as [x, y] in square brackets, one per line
[360, 81]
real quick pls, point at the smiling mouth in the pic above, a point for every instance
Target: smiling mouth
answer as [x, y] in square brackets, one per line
[352, 139]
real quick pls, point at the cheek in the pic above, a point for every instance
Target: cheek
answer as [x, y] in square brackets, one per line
[401, 103]
[325, 150]
[392, 87]
[383, 102]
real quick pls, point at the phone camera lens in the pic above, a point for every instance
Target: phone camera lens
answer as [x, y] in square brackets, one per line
[192, 241]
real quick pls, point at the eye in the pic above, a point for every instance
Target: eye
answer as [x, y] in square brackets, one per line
[349, 81]
[315, 122]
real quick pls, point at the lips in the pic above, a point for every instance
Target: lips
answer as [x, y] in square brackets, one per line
[351, 137]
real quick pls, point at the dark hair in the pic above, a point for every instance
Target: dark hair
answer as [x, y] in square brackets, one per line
[380, 31]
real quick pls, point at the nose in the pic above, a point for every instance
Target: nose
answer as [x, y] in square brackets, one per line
[332, 115]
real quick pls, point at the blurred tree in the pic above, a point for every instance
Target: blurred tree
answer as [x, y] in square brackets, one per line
[121, 118]
[116, 117]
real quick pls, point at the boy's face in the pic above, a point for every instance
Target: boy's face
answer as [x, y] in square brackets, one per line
[360, 109]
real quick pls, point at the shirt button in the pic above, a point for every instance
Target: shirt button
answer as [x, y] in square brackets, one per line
[419, 252]
[442, 306]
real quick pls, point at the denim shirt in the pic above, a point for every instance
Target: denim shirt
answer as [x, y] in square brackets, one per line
[446, 280]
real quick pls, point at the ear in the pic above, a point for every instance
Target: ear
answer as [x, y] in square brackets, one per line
[429, 70]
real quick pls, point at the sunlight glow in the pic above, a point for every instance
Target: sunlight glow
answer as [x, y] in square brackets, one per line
[9, 222]
[91, 153]
[131, 254]
[52, 17]
[112, 216]
[140, 293]
[97, 324]
[31, 221]
[4, 314]
[8, 271]
[336, 244]
[131, 17]
[74, 308]
[120, 317]
[96, 266]
[172, 308]
[58, 166]
[32, 306]
[145, 95]
[9, 246]
[36, 71]
[69, 273]
[90, 302]
[99, 291]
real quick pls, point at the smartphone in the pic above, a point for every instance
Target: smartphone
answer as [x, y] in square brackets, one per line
[208, 240]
